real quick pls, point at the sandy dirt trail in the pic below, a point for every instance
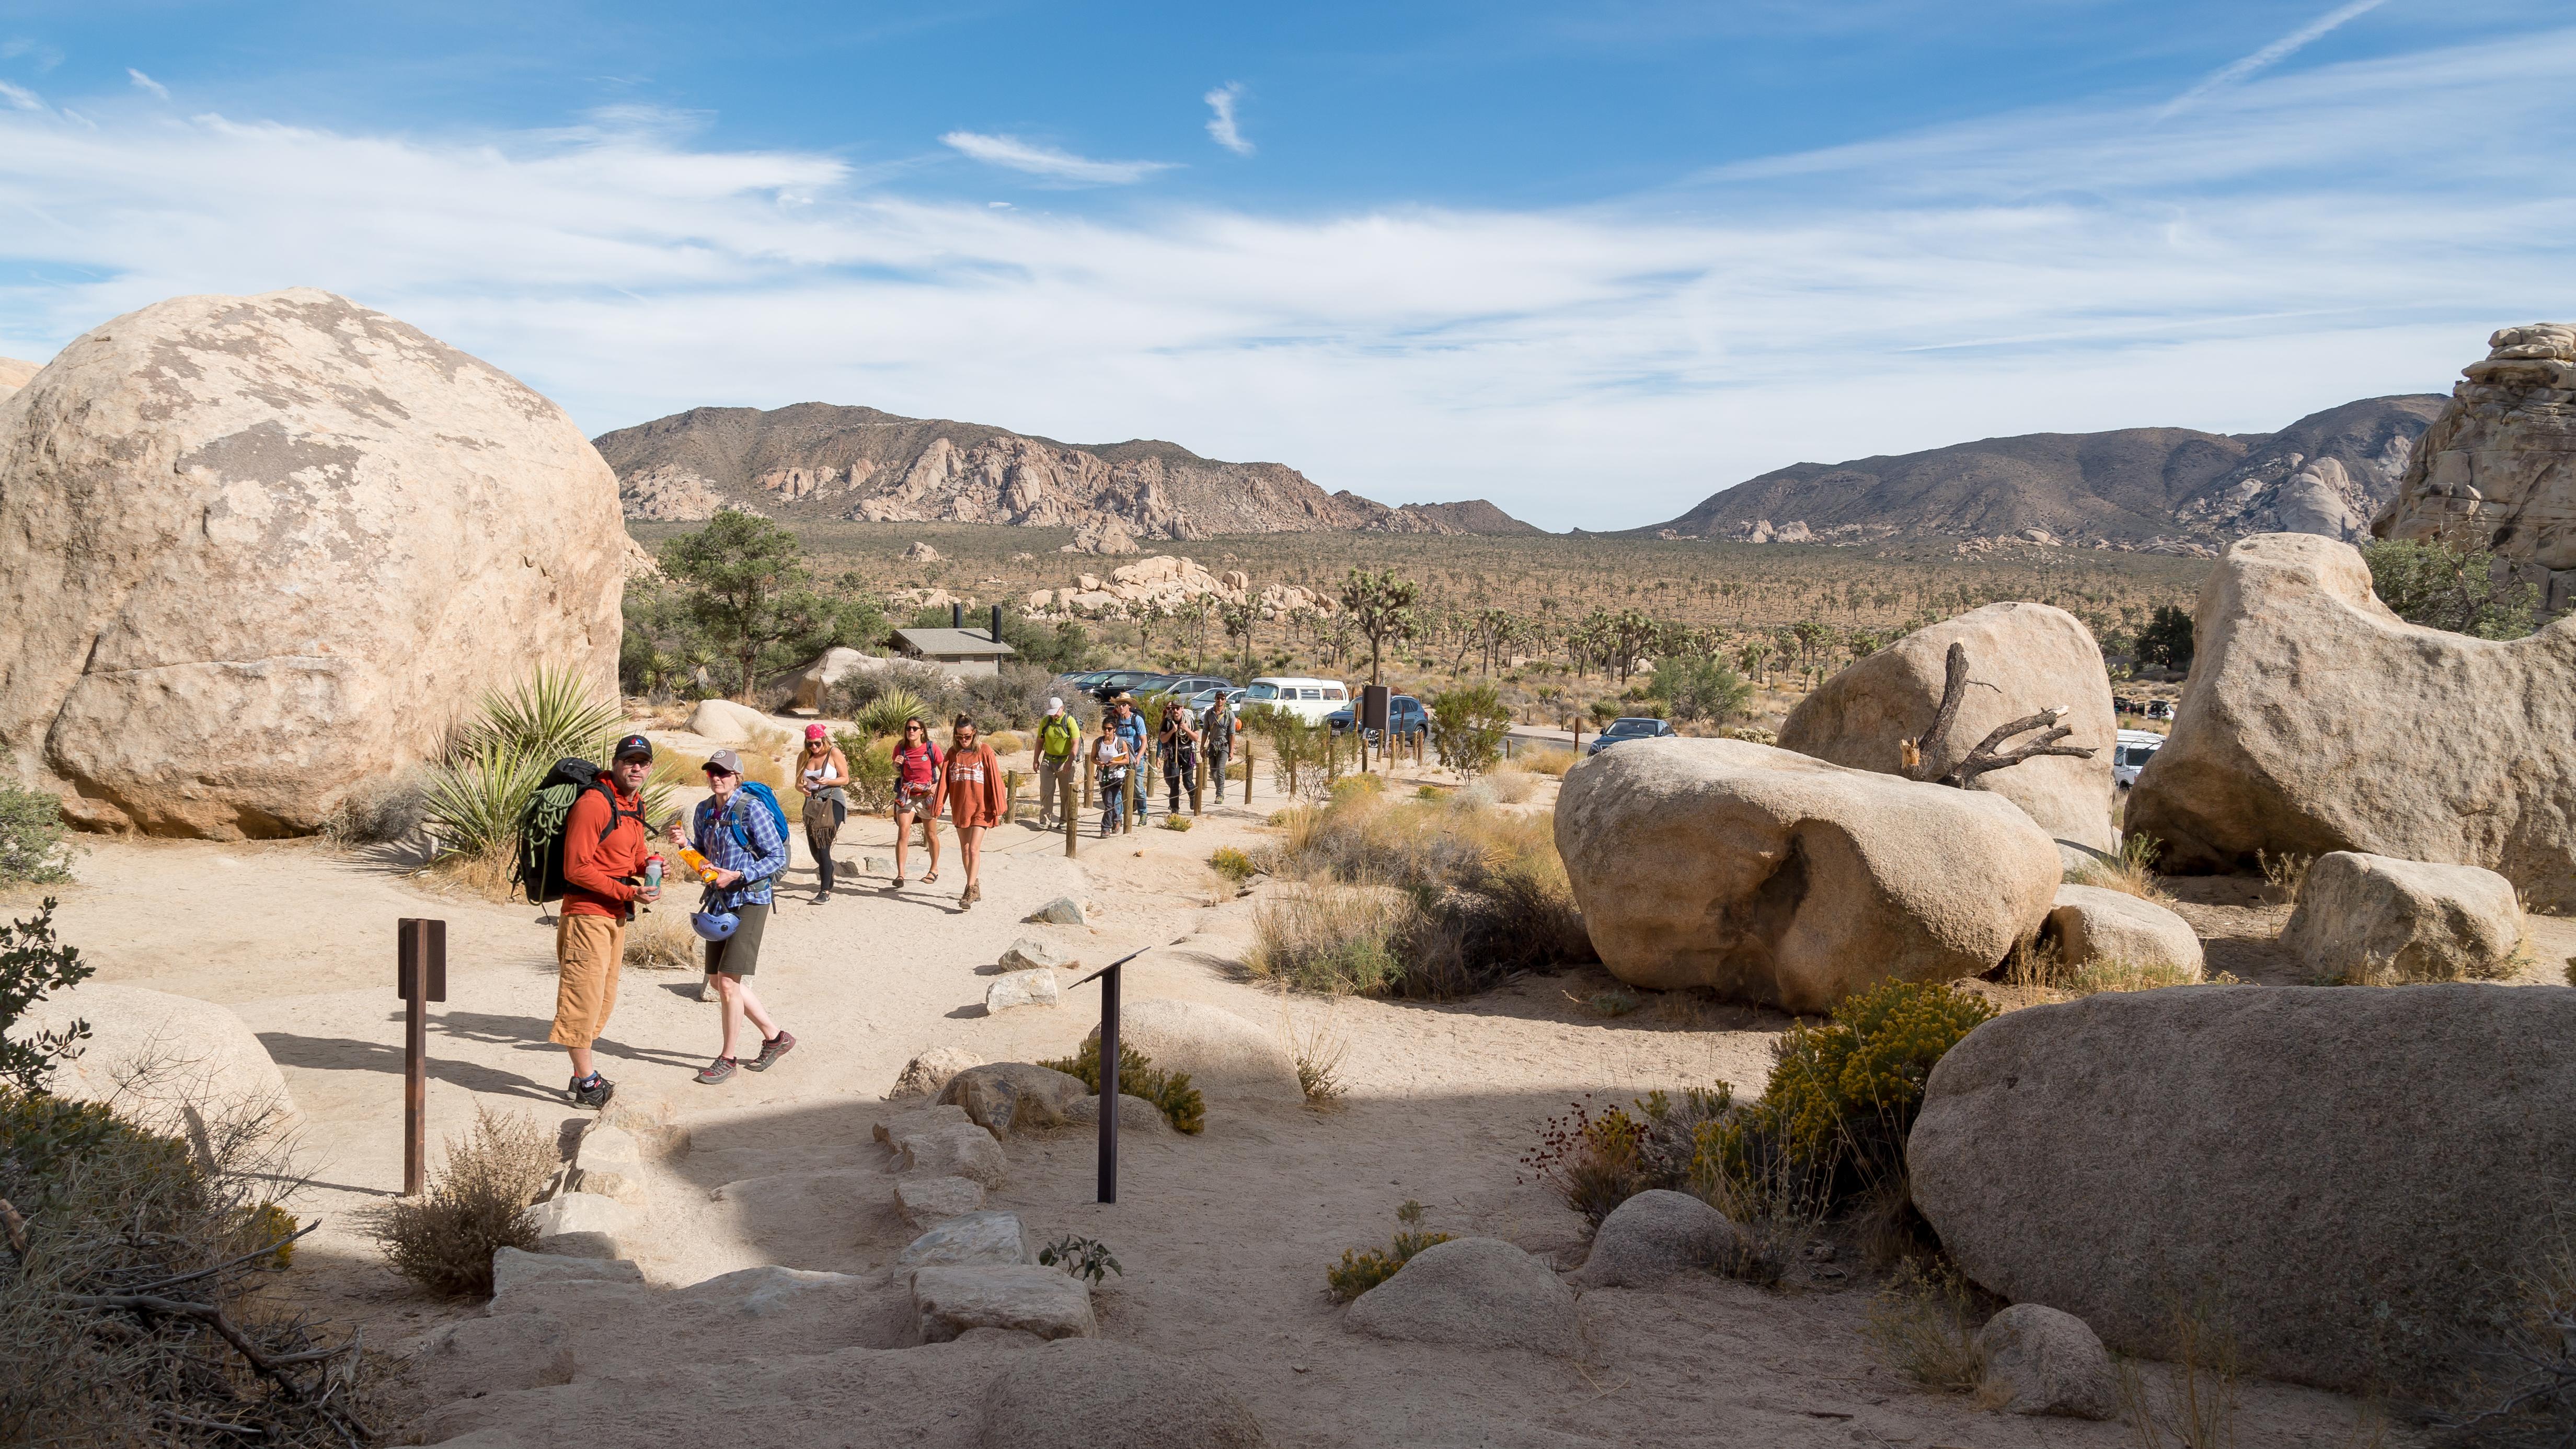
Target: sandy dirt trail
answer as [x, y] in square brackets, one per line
[1223, 1237]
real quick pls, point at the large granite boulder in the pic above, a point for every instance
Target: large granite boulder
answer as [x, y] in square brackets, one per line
[2497, 470]
[2022, 658]
[254, 550]
[2369, 918]
[1012, 1096]
[2342, 1177]
[175, 1063]
[15, 374]
[2041, 1361]
[1653, 1236]
[1477, 1292]
[1777, 878]
[2315, 720]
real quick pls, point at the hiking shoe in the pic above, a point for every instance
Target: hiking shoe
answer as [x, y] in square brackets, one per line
[771, 1050]
[721, 1069]
[593, 1094]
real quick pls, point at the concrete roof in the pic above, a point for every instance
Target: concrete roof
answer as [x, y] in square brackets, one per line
[953, 643]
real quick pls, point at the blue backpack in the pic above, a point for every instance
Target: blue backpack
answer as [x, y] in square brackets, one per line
[742, 837]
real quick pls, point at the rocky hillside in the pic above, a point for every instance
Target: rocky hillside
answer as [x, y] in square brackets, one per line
[2167, 489]
[14, 374]
[815, 461]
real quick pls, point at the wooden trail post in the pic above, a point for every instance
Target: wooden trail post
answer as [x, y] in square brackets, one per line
[1088, 770]
[1071, 821]
[420, 977]
[1010, 796]
[1247, 771]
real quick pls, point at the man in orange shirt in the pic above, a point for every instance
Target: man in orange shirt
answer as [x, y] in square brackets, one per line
[971, 786]
[605, 845]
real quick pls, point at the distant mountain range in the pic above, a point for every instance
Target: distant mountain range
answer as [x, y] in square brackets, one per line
[2156, 489]
[816, 461]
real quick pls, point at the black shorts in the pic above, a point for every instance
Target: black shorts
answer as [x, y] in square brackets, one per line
[739, 954]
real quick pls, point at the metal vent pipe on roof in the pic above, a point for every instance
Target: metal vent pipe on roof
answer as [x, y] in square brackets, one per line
[997, 623]
[956, 616]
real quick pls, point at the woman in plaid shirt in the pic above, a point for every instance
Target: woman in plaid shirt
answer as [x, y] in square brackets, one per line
[749, 852]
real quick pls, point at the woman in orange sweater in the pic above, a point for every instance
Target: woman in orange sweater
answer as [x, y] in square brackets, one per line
[970, 785]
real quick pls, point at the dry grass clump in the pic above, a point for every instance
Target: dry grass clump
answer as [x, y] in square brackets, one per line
[2196, 1406]
[131, 1311]
[1544, 761]
[2113, 974]
[1007, 742]
[2521, 1389]
[2283, 875]
[1510, 784]
[659, 939]
[1484, 891]
[1925, 1323]
[1318, 1050]
[444, 1239]
[2131, 873]
[2418, 965]
[1598, 1161]
[380, 810]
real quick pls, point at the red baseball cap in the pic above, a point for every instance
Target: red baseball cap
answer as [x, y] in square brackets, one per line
[813, 732]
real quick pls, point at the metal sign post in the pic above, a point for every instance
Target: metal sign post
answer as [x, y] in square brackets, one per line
[1107, 976]
[420, 977]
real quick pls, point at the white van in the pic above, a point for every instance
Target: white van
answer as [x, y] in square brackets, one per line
[1309, 699]
[2136, 747]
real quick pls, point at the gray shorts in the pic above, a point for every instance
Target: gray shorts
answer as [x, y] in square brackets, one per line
[739, 954]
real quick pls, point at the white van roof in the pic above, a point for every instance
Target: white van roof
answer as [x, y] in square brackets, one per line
[2142, 737]
[1301, 680]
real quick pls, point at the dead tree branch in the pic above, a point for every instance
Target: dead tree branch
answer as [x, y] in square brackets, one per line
[1921, 758]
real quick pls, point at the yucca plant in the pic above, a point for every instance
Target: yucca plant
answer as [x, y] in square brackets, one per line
[552, 713]
[886, 713]
[476, 795]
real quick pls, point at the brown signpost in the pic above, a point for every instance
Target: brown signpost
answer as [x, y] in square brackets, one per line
[420, 977]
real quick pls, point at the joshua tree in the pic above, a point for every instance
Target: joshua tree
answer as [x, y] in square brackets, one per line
[1238, 620]
[1380, 606]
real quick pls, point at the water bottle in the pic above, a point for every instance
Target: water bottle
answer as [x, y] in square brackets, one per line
[652, 872]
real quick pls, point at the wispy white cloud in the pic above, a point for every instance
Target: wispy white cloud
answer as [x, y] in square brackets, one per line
[45, 56]
[1221, 127]
[2321, 237]
[20, 97]
[145, 82]
[1048, 162]
[2270, 55]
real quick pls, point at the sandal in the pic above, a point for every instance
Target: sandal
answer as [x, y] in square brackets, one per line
[930, 879]
[898, 884]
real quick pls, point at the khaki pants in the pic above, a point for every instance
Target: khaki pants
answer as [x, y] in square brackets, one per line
[587, 952]
[1052, 775]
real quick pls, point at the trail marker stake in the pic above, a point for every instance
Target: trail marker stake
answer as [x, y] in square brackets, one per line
[420, 977]
[1107, 976]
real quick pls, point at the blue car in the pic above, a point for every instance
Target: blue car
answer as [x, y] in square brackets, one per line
[1621, 731]
[1405, 717]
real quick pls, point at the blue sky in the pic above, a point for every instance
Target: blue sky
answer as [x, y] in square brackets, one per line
[1593, 262]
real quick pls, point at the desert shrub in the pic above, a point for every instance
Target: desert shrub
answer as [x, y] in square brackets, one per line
[1170, 1092]
[1925, 1322]
[2442, 585]
[1330, 938]
[1605, 710]
[2283, 875]
[1843, 1095]
[34, 849]
[1467, 727]
[1006, 742]
[2131, 872]
[1178, 822]
[444, 1239]
[111, 1211]
[1598, 1161]
[381, 809]
[885, 714]
[33, 965]
[1700, 689]
[1510, 784]
[1014, 697]
[659, 939]
[1318, 1051]
[871, 787]
[1081, 1257]
[932, 691]
[1545, 761]
[475, 795]
[1360, 1271]
[1233, 864]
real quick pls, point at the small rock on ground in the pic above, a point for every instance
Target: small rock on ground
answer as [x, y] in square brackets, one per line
[964, 1150]
[1083, 1392]
[514, 1269]
[1479, 1292]
[973, 1239]
[1031, 954]
[1653, 1236]
[1005, 1097]
[1022, 988]
[948, 1301]
[1062, 911]
[581, 1225]
[925, 1074]
[920, 1119]
[1135, 1114]
[2042, 1361]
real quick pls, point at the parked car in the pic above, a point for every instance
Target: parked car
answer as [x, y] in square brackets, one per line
[1308, 699]
[1405, 718]
[1620, 731]
[1189, 686]
[2131, 754]
[1122, 681]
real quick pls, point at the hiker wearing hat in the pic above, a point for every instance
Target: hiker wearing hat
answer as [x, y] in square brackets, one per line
[821, 772]
[604, 849]
[737, 831]
[1178, 743]
[1059, 736]
[1216, 739]
[1130, 727]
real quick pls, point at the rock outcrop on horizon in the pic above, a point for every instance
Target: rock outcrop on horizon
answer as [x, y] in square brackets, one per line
[2344, 1180]
[15, 374]
[254, 550]
[2497, 470]
[2022, 658]
[1775, 878]
[2150, 490]
[1164, 584]
[2316, 720]
[815, 461]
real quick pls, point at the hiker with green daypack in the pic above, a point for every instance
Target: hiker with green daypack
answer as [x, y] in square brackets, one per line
[582, 841]
[1059, 736]
[742, 831]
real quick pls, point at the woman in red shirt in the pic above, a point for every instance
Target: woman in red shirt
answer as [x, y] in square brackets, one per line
[916, 796]
[971, 788]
